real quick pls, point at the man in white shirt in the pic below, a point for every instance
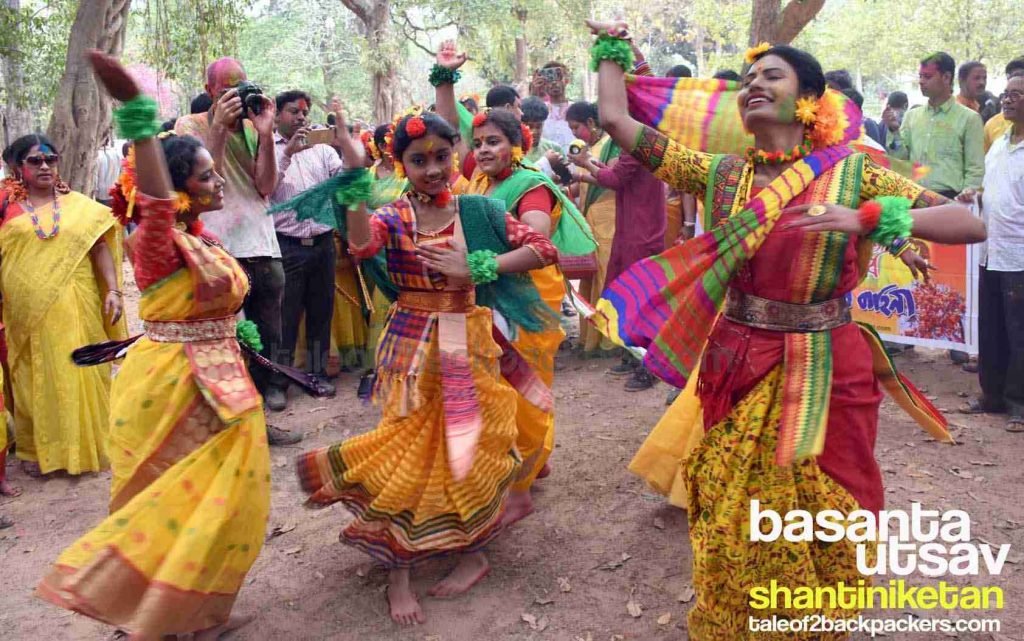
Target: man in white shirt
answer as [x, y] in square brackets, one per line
[307, 247]
[1001, 287]
[241, 142]
[550, 81]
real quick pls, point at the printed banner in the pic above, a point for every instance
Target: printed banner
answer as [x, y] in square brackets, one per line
[942, 313]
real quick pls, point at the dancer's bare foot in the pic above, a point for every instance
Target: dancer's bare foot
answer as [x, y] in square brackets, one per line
[471, 569]
[6, 489]
[518, 506]
[544, 471]
[405, 609]
[31, 468]
[233, 623]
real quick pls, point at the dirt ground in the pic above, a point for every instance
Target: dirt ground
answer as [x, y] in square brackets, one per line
[565, 573]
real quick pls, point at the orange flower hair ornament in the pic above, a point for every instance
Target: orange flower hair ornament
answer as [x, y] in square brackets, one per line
[123, 193]
[370, 145]
[753, 53]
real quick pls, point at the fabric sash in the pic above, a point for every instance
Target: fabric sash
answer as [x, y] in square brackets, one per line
[668, 303]
[572, 236]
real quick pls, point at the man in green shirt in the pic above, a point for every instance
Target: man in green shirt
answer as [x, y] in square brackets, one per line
[944, 136]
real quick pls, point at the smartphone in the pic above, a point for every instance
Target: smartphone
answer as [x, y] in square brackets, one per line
[551, 74]
[320, 136]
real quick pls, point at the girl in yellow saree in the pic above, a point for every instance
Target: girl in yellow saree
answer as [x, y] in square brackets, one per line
[191, 475]
[58, 256]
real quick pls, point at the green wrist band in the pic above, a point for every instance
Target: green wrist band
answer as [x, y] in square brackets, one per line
[483, 266]
[356, 187]
[444, 76]
[248, 334]
[895, 221]
[137, 118]
[614, 49]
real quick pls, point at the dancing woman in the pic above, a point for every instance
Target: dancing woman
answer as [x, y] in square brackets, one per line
[789, 388]
[500, 143]
[432, 478]
[190, 491]
[60, 280]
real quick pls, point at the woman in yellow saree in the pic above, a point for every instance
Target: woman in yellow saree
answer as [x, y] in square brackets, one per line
[191, 472]
[59, 276]
[500, 143]
[598, 206]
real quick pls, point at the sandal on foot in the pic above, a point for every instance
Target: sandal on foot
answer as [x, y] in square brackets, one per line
[980, 406]
[1015, 425]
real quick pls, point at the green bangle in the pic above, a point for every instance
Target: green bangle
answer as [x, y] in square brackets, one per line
[483, 266]
[355, 187]
[614, 49]
[895, 221]
[248, 334]
[137, 118]
[444, 76]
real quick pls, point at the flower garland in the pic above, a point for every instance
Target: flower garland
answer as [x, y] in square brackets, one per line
[613, 49]
[247, 333]
[370, 145]
[123, 193]
[443, 76]
[762, 157]
[483, 266]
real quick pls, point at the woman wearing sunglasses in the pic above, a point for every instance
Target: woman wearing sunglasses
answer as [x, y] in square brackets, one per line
[61, 290]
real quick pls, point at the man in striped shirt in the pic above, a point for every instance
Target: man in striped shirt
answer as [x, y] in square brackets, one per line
[307, 247]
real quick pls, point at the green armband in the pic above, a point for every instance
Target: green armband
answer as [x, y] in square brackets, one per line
[483, 266]
[444, 76]
[614, 49]
[137, 118]
[356, 188]
[895, 221]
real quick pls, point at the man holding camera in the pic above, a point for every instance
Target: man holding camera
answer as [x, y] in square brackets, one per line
[550, 81]
[238, 131]
[307, 247]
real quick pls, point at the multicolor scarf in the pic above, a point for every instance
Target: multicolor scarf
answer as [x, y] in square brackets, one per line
[668, 303]
[704, 115]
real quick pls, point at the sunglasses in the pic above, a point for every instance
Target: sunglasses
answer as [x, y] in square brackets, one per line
[37, 161]
[1011, 97]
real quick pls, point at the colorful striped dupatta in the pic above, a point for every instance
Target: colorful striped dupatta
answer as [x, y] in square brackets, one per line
[668, 303]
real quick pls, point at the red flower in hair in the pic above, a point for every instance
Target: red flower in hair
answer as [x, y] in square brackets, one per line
[527, 139]
[415, 127]
[480, 119]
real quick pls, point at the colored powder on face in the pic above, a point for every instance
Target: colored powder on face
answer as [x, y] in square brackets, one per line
[303, 105]
[224, 74]
[787, 109]
[46, 149]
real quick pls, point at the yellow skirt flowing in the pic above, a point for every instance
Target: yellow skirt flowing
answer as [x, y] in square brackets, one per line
[601, 216]
[190, 497]
[661, 459]
[733, 465]
[536, 436]
[396, 479]
[349, 331]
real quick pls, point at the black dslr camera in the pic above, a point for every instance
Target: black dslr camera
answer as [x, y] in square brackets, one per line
[251, 95]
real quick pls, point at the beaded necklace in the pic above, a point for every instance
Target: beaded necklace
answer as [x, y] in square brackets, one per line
[762, 157]
[40, 234]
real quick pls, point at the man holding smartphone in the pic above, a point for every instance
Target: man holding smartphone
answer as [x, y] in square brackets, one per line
[307, 247]
[550, 81]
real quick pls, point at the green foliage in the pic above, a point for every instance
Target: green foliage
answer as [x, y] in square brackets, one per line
[34, 38]
[307, 45]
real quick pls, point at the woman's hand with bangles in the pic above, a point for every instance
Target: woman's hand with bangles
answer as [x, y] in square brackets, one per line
[614, 28]
[113, 305]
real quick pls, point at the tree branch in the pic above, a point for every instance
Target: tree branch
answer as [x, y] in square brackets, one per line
[361, 8]
[794, 17]
[406, 25]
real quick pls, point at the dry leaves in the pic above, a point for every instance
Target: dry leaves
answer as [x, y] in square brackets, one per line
[686, 595]
[633, 606]
[964, 474]
[611, 566]
[281, 529]
[563, 584]
[665, 619]
[543, 600]
[537, 625]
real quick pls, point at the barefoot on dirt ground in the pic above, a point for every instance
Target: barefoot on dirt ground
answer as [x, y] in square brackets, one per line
[471, 569]
[405, 609]
[6, 489]
[518, 506]
[233, 623]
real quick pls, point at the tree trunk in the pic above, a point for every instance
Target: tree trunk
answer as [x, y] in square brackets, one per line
[376, 18]
[776, 25]
[522, 50]
[17, 120]
[81, 113]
